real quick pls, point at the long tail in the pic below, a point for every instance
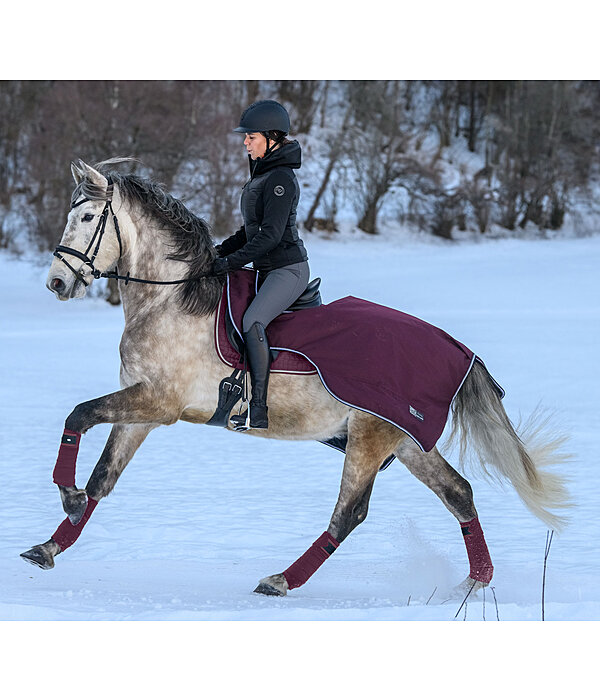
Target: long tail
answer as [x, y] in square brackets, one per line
[480, 418]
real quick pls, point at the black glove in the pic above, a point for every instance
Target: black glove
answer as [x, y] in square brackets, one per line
[219, 251]
[219, 267]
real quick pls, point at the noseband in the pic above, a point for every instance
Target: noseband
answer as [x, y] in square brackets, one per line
[96, 238]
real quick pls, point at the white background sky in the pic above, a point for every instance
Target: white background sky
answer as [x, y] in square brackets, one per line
[314, 39]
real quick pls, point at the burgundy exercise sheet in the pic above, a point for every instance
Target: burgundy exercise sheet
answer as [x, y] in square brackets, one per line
[368, 356]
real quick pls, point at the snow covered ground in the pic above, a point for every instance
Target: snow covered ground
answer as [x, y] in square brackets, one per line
[200, 515]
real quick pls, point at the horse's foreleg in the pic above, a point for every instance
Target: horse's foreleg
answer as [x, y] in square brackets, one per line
[370, 441]
[456, 494]
[135, 404]
[120, 447]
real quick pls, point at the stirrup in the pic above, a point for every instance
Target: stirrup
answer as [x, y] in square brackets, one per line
[243, 421]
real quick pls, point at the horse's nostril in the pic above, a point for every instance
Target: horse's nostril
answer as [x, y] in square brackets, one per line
[57, 284]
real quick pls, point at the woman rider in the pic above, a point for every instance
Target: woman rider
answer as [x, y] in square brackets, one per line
[268, 239]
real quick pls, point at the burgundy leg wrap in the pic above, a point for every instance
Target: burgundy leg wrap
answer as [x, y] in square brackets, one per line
[67, 533]
[304, 567]
[477, 551]
[64, 471]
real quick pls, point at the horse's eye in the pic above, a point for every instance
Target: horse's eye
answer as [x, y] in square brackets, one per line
[87, 217]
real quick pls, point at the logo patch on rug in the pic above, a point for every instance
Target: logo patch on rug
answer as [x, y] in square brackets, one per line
[415, 413]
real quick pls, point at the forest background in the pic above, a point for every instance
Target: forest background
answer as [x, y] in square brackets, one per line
[449, 156]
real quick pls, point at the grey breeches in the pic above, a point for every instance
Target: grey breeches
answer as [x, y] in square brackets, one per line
[280, 289]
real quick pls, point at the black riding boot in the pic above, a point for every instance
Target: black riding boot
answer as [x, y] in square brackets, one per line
[259, 361]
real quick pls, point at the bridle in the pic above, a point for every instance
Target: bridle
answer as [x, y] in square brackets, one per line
[97, 239]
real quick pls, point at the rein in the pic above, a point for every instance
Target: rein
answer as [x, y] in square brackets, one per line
[99, 233]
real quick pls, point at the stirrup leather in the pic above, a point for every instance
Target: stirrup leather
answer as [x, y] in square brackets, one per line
[231, 389]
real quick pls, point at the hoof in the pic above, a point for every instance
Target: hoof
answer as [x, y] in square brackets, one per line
[469, 586]
[42, 555]
[266, 589]
[74, 502]
[273, 585]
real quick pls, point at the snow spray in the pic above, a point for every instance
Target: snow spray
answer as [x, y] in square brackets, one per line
[304, 567]
[64, 470]
[477, 551]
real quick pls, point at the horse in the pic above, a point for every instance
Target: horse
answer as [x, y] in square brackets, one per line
[128, 222]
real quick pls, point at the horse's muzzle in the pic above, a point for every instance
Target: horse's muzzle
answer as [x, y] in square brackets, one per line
[57, 285]
[63, 290]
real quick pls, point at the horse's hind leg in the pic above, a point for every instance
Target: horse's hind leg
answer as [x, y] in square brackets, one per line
[456, 494]
[120, 447]
[370, 441]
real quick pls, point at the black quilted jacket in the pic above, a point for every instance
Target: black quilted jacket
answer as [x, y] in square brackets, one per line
[269, 237]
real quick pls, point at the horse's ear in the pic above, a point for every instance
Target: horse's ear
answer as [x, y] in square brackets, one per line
[76, 172]
[93, 175]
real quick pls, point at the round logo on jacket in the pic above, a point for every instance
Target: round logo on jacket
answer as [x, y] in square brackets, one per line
[279, 190]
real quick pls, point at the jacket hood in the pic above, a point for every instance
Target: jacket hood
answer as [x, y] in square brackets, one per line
[289, 155]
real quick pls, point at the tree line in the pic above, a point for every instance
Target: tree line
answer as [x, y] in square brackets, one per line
[370, 146]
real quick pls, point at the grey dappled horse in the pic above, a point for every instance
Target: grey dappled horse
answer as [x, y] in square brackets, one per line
[170, 371]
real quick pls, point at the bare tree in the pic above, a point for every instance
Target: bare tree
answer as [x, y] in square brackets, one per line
[539, 142]
[303, 98]
[220, 159]
[380, 137]
[539, 152]
[336, 147]
[445, 109]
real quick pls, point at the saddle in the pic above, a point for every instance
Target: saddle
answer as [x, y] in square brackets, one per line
[232, 388]
[309, 299]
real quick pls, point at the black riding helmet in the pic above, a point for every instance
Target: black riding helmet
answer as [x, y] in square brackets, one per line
[264, 116]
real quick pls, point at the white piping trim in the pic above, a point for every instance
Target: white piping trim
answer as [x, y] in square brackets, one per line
[347, 403]
[463, 381]
[217, 346]
[499, 389]
[306, 372]
[229, 308]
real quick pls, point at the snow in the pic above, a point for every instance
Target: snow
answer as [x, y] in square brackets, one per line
[200, 515]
